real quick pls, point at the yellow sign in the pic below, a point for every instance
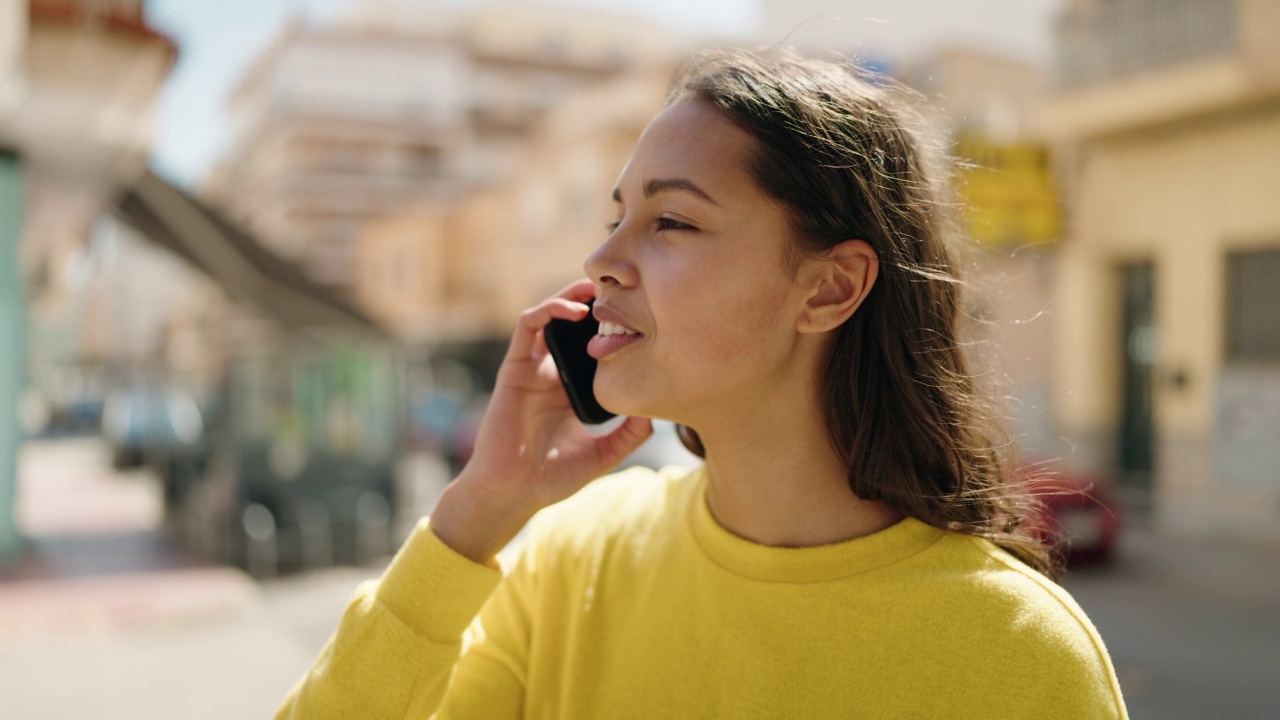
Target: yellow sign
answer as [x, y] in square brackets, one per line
[1009, 194]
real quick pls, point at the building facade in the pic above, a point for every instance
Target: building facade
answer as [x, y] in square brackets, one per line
[1167, 291]
[464, 274]
[400, 106]
[78, 80]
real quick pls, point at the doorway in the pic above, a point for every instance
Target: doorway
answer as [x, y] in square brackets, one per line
[1139, 349]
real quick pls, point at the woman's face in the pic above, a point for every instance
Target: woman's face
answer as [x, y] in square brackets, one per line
[694, 265]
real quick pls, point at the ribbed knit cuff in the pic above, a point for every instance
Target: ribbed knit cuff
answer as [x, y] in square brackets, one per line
[433, 589]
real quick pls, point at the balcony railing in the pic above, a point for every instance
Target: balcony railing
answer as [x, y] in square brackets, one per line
[1125, 37]
[130, 10]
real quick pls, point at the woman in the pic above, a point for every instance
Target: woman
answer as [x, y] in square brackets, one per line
[777, 281]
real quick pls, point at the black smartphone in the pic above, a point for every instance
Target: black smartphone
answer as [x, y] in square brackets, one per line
[567, 341]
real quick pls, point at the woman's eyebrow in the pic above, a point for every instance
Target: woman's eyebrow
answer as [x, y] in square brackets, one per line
[655, 186]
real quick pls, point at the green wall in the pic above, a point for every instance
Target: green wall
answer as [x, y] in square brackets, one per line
[12, 355]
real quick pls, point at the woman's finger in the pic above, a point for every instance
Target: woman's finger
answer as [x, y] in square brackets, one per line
[624, 439]
[540, 349]
[579, 291]
[536, 318]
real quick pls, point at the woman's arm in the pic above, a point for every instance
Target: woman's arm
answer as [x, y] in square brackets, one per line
[396, 649]
[399, 639]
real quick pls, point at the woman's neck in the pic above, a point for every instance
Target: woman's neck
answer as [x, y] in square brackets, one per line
[773, 478]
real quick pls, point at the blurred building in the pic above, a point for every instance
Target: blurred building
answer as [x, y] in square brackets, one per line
[373, 157]
[972, 89]
[983, 109]
[401, 106]
[78, 80]
[449, 278]
[84, 121]
[457, 278]
[1166, 116]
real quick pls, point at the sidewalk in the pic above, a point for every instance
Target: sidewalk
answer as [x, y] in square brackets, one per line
[1192, 625]
[97, 563]
[104, 617]
[197, 658]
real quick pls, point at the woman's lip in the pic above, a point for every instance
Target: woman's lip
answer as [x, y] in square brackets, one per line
[602, 345]
[607, 315]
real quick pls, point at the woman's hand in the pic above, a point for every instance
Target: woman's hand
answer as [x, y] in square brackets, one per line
[531, 450]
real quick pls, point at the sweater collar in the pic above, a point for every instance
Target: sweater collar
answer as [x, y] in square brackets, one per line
[802, 565]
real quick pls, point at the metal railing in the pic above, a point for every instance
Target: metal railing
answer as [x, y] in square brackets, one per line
[1126, 37]
[127, 9]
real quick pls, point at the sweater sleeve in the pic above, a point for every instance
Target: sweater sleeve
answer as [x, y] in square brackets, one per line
[400, 640]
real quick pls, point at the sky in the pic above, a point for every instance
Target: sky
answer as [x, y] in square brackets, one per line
[217, 40]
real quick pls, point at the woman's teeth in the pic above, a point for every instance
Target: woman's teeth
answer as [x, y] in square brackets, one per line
[612, 329]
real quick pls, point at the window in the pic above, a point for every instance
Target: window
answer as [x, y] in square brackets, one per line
[425, 162]
[1253, 306]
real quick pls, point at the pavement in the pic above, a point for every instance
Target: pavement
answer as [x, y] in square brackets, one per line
[106, 618]
[1192, 625]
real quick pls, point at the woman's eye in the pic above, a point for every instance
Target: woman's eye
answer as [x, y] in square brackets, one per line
[666, 223]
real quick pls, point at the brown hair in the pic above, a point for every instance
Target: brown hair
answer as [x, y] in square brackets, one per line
[903, 413]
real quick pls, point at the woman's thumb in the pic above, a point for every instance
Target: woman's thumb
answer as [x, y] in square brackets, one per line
[624, 439]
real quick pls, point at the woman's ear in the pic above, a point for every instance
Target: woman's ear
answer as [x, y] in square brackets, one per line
[840, 280]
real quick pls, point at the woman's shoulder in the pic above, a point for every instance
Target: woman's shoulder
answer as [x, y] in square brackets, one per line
[1035, 615]
[962, 564]
[1002, 575]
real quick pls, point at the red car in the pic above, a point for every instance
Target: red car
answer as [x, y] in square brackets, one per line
[1077, 516]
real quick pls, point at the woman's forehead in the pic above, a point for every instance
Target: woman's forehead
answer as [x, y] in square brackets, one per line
[691, 140]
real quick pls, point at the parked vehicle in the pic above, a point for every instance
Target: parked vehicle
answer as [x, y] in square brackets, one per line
[139, 422]
[299, 469]
[1077, 516]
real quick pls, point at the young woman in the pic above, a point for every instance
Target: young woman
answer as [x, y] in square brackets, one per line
[778, 281]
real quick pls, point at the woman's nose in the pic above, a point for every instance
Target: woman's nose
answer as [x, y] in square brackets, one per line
[609, 264]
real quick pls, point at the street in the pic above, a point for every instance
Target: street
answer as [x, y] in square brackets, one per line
[106, 618]
[109, 620]
[1193, 628]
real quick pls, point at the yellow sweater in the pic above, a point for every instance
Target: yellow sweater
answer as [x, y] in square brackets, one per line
[630, 601]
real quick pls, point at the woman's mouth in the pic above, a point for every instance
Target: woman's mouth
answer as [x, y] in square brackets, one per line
[610, 338]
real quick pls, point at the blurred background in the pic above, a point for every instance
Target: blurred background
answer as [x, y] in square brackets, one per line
[259, 260]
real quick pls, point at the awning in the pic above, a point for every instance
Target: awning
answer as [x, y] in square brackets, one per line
[235, 260]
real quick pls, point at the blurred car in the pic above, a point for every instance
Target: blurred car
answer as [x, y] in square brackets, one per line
[1078, 517]
[433, 416]
[296, 465]
[138, 423]
[83, 414]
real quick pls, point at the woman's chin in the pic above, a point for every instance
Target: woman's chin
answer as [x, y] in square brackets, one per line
[623, 394]
[624, 408]
[622, 403]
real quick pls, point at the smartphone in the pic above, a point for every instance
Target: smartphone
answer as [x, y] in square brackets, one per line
[567, 341]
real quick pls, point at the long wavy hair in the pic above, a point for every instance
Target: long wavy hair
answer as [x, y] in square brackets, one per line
[836, 147]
